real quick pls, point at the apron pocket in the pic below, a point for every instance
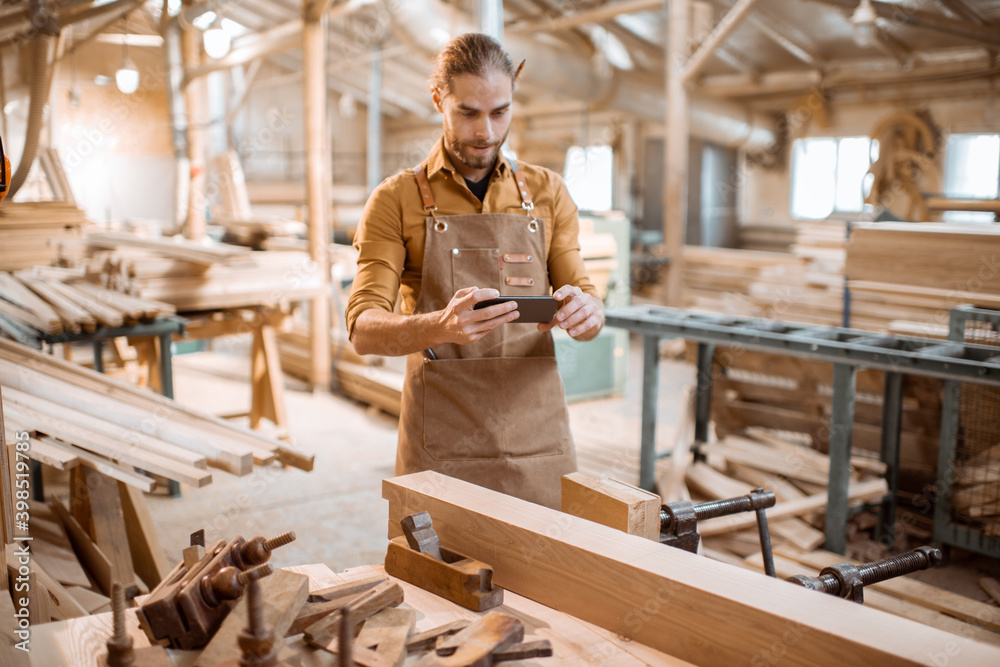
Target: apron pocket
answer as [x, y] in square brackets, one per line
[537, 422]
[463, 410]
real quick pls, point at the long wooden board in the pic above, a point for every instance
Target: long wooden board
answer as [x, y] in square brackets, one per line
[668, 599]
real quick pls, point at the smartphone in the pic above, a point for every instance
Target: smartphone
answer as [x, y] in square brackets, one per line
[531, 308]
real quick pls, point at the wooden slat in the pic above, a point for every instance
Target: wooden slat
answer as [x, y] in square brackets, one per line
[574, 565]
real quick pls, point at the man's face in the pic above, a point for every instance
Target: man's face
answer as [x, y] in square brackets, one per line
[476, 121]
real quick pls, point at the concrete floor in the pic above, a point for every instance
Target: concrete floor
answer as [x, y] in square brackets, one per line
[337, 510]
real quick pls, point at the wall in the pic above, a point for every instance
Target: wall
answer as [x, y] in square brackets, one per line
[116, 148]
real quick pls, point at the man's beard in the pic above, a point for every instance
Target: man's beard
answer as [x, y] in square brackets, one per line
[460, 149]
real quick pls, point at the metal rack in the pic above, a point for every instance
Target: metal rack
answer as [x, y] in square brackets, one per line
[847, 349]
[969, 451]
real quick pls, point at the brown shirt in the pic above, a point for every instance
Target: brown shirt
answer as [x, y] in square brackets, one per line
[390, 236]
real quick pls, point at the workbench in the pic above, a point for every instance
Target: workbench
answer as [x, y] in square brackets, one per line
[81, 641]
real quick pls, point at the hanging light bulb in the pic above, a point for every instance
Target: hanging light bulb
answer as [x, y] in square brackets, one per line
[127, 76]
[217, 40]
[863, 21]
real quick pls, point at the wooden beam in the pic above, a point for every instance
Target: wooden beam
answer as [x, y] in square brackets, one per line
[596, 15]
[196, 103]
[635, 587]
[107, 520]
[148, 557]
[678, 137]
[317, 189]
[719, 35]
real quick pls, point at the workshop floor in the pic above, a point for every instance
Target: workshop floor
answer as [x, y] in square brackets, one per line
[337, 510]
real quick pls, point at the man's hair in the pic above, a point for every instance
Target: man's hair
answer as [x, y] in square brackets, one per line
[471, 53]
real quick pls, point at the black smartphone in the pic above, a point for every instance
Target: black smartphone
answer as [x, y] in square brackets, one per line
[531, 308]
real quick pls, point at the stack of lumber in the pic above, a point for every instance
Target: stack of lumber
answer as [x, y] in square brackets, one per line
[976, 490]
[805, 285]
[767, 238]
[30, 232]
[719, 279]
[44, 301]
[194, 277]
[791, 394]
[116, 441]
[905, 277]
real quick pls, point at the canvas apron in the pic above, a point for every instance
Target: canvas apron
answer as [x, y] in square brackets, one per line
[492, 412]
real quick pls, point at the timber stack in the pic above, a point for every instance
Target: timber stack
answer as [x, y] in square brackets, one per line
[31, 232]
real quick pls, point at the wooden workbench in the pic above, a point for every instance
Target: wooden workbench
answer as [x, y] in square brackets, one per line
[81, 641]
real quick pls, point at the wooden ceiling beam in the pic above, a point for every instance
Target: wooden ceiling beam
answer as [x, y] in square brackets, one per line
[917, 18]
[723, 29]
[597, 15]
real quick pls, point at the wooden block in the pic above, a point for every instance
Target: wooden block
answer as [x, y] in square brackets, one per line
[349, 589]
[572, 569]
[612, 503]
[282, 594]
[91, 601]
[82, 641]
[388, 633]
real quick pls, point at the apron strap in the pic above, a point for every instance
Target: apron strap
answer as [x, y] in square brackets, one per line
[425, 188]
[522, 186]
[420, 172]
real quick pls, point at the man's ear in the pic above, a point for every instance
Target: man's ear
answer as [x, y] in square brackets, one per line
[436, 98]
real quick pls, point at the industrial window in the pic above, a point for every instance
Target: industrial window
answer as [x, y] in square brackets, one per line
[828, 175]
[971, 171]
[588, 174]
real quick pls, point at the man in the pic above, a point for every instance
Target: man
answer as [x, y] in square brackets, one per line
[482, 399]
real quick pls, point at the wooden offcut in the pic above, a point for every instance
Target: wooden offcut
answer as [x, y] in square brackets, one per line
[612, 503]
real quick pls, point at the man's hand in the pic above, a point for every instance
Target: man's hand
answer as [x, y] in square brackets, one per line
[459, 323]
[580, 314]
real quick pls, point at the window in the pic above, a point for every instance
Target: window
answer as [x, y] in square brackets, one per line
[971, 171]
[828, 175]
[588, 175]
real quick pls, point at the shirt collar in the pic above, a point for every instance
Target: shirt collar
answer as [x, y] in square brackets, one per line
[439, 159]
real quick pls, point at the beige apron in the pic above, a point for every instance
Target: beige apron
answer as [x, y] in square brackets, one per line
[492, 412]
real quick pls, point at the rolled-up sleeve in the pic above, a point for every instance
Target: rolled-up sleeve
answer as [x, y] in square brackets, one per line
[565, 261]
[382, 253]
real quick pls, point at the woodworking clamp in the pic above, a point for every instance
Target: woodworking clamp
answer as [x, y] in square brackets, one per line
[848, 580]
[679, 521]
[190, 604]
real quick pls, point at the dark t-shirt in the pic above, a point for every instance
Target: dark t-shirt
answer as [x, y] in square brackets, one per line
[479, 189]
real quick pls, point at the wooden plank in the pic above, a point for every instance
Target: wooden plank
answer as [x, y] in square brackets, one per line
[73, 316]
[907, 588]
[107, 520]
[612, 503]
[92, 601]
[50, 547]
[165, 410]
[573, 567]
[282, 594]
[6, 488]
[87, 419]
[992, 587]
[90, 554]
[80, 641]
[126, 474]
[134, 423]
[109, 447]
[189, 251]
[149, 560]
[12, 290]
[671, 485]
[58, 602]
[52, 455]
[104, 314]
